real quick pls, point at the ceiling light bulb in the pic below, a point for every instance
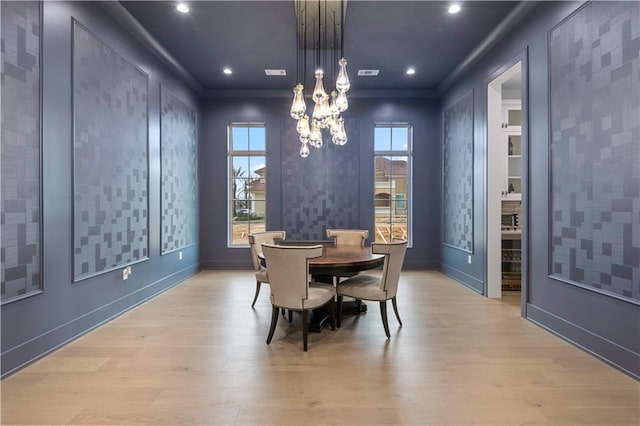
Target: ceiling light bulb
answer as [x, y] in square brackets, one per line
[411, 71]
[182, 8]
[227, 71]
[454, 8]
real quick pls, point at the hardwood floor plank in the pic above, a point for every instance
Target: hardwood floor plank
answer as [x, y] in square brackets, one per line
[196, 355]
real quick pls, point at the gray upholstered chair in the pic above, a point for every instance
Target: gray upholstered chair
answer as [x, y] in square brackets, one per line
[255, 242]
[377, 288]
[290, 287]
[348, 237]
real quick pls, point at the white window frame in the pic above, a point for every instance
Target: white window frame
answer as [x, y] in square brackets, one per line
[408, 200]
[230, 195]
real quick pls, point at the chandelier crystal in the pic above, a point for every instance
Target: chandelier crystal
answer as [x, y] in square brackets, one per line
[327, 110]
[298, 107]
[342, 82]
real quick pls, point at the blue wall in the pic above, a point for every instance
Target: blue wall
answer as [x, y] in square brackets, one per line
[274, 112]
[603, 325]
[34, 326]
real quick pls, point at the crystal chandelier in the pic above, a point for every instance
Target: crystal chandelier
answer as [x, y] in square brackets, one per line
[327, 110]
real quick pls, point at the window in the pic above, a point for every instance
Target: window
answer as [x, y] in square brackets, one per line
[392, 189]
[247, 182]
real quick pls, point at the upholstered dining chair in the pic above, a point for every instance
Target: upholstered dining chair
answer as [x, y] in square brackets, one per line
[347, 237]
[290, 287]
[377, 288]
[255, 242]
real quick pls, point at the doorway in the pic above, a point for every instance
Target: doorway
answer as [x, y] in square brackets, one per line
[506, 181]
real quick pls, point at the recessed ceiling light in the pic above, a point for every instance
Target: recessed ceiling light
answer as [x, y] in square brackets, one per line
[454, 8]
[368, 73]
[411, 71]
[227, 71]
[182, 8]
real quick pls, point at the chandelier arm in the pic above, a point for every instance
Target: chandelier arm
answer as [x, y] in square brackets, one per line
[342, 28]
[304, 45]
[335, 49]
[304, 41]
[319, 35]
[324, 65]
[297, 42]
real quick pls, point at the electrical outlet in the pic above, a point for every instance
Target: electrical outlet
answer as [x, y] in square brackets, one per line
[125, 273]
[180, 255]
[469, 259]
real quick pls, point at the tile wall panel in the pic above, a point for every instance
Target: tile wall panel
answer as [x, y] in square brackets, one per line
[20, 213]
[320, 191]
[595, 148]
[458, 175]
[110, 172]
[179, 190]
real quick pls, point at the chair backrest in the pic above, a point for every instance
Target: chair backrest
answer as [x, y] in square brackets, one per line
[393, 259]
[289, 273]
[256, 241]
[348, 237]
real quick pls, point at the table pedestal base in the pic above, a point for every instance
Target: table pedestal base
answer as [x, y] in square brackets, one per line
[320, 317]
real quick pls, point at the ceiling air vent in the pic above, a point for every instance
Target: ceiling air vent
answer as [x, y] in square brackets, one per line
[275, 72]
[368, 73]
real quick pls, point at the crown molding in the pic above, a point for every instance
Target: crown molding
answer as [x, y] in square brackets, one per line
[502, 29]
[115, 9]
[124, 18]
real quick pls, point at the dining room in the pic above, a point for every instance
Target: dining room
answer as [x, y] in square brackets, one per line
[136, 141]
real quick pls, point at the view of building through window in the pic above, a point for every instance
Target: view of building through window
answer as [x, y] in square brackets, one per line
[247, 181]
[392, 190]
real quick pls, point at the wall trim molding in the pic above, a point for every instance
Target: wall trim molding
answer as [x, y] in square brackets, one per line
[52, 340]
[227, 264]
[419, 265]
[462, 277]
[610, 352]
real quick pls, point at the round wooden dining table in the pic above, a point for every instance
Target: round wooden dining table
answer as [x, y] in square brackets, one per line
[343, 260]
[338, 261]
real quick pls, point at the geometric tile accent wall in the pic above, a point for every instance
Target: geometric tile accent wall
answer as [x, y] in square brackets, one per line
[320, 191]
[110, 162]
[179, 199]
[458, 175]
[595, 148]
[20, 234]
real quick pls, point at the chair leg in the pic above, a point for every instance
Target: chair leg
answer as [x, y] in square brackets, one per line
[290, 316]
[395, 309]
[305, 328]
[339, 311]
[385, 323]
[284, 311]
[332, 313]
[257, 293]
[274, 321]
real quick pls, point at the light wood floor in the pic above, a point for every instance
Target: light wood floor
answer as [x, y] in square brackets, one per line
[197, 355]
